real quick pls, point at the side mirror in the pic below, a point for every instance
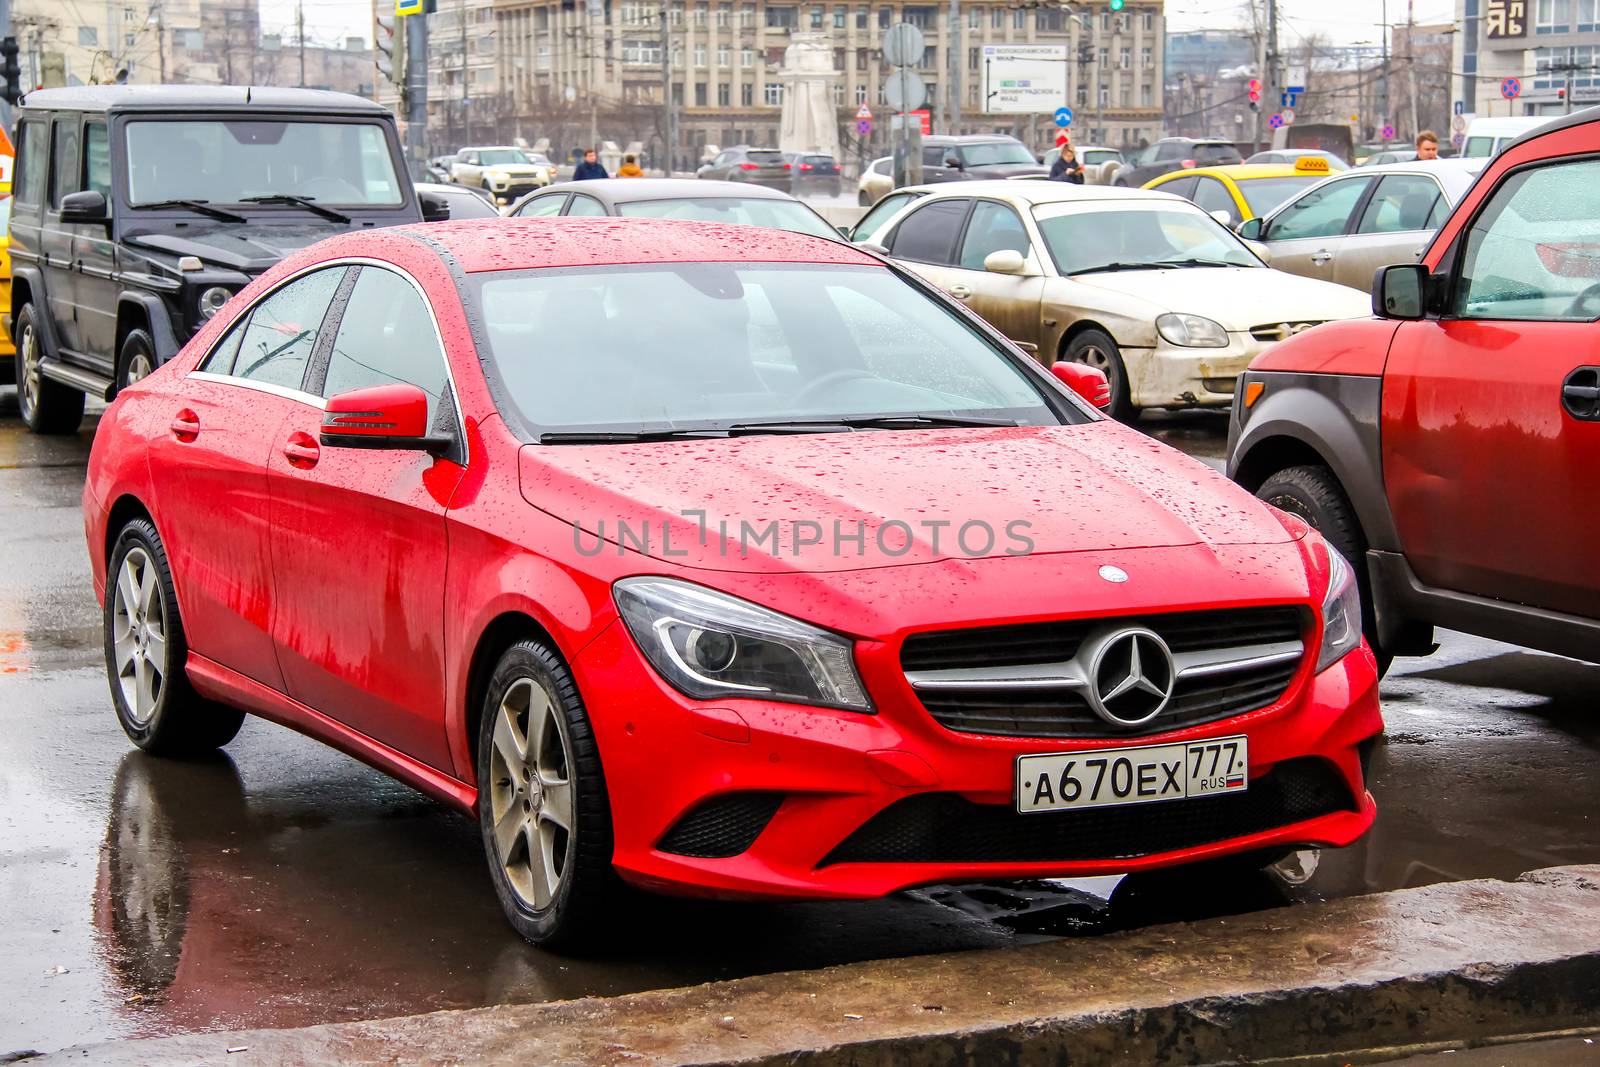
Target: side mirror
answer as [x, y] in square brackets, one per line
[435, 208]
[88, 206]
[380, 416]
[1251, 229]
[1005, 261]
[1222, 216]
[1088, 382]
[953, 161]
[1400, 291]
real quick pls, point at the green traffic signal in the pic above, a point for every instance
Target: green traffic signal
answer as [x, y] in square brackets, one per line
[1116, 5]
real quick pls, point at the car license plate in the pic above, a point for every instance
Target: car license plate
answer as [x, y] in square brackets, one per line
[1103, 777]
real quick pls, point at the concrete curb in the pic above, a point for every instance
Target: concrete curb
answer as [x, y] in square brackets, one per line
[1457, 962]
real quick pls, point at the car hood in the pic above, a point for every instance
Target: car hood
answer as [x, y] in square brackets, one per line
[889, 498]
[240, 246]
[1237, 297]
[513, 168]
[1005, 170]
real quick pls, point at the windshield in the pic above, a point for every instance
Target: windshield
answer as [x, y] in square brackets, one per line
[1098, 155]
[1082, 242]
[767, 157]
[1264, 194]
[1478, 148]
[490, 157]
[773, 214]
[5, 214]
[225, 161]
[730, 344]
[987, 155]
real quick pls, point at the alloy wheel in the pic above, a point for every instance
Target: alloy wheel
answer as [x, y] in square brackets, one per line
[1096, 357]
[28, 391]
[139, 634]
[139, 367]
[530, 792]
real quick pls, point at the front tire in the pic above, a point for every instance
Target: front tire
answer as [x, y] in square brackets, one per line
[543, 812]
[146, 649]
[137, 359]
[1095, 348]
[1315, 495]
[47, 407]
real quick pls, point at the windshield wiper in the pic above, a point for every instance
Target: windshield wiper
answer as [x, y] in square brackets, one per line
[1115, 266]
[199, 207]
[612, 437]
[1200, 263]
[863, 422]
[298, 201]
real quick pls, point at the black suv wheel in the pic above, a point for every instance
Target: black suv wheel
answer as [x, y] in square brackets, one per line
[47, 407]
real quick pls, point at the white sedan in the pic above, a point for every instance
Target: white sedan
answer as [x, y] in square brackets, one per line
[1144, 285]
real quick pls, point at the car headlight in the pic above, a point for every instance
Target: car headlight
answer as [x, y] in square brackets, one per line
[709, 646]
[212, 299]
[1192, 331]
[1341, 612]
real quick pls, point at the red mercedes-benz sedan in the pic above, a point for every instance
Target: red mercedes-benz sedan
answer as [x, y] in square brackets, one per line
[715, 560]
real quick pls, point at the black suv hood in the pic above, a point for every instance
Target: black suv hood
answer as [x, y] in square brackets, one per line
[236, 246]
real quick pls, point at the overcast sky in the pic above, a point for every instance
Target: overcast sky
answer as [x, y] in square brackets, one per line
[1347, 22]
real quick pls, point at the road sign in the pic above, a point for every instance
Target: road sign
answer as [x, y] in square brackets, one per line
[905, 90]
[1458, 139]
[864, 112]
[1275, 121]
[1511, 88]
[1461, 107]
[1063, 116]
[1459, 123]
[1024, 79]
[408, 7]
[1295, 90]
[1388, 132]
[1062, 140]
[1288, 116]
[903, 45]
[1354, 118]
[863, 126]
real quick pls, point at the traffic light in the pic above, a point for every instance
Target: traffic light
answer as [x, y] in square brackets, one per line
[1255, 90]
[10, 71]
[1116, 5]
[389, 47]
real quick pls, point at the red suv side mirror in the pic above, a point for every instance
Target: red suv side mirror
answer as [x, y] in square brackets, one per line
[1088, 382]
[380, 416]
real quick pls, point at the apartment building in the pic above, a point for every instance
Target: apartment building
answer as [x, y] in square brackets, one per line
[572, 71]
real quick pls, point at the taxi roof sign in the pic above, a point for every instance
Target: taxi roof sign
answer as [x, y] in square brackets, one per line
[1311, 165]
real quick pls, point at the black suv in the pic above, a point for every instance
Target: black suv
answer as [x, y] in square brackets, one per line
[975, 157]
[138, 211]
[1175, 153]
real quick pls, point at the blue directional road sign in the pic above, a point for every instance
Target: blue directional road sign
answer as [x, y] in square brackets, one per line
[1063, 117]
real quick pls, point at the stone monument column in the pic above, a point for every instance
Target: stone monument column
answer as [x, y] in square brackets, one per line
[810, 121]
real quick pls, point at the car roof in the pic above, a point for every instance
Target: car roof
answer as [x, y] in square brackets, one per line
[1039, 192]
[1240, 172]
[970, 138]
[196, 98]
[489, 148]
[632, 190]
[480, 245]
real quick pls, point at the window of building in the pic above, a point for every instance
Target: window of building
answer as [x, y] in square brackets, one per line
[861, 59]
[861, 18]
[838, 94]
[747, 57]
[1125, 59]
[1147, 58]
[747, 15]
[700, 15]
[677, 56]
[1105, 23]
[1050, 20]
[675, 16]
[816, 18]
[1105, 96]
[635, 51]
[772, 94]
[781, 18]
[1083, 96]
[1146, 95]
[723, 94]
[861, 95]
[974, 19]
[1126, 96]
[724, 56]
[541, 60]
[747, 95]
[1149, 22]
[974, 58]
[700, 96]
[700, 55]
[841, 18]
[921, 17]
[1552, 16]
[724, 15]
[1019, 20]
[997, 19]
[885, 16]
[1104, 57]
[677, 93]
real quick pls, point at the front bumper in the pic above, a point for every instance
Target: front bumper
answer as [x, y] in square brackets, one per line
[1170, 376]
[816, 776]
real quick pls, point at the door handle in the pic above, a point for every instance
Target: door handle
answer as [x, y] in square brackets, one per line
[301, 451]
[1320, 257]
[1580, 394]
[185, 425]
[960, 292]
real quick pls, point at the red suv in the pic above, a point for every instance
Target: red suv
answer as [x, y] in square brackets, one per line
[715, 560]
[1450, 443]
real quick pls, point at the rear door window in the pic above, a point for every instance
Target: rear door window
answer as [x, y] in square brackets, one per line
[928, 234]
[64, 177]
[97, 159]
[1403, 202]
[33, 153]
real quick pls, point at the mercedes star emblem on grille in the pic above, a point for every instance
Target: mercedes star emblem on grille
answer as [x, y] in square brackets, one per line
[1131, 675]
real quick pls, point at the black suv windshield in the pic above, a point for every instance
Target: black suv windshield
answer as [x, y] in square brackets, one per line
[229, 161]
[740, 348]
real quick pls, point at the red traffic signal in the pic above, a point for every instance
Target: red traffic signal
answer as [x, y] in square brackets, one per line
[1255, 89]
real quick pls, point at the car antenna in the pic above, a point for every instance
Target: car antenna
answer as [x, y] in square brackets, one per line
[247, 89]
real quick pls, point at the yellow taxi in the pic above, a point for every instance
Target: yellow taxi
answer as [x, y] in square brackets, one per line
[1244, 190]
[8, 350]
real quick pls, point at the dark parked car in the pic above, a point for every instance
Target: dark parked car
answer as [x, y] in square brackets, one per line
[138, 211]
[812, 175]
[1175, 153]
[758, 166]
[975, 158]
[677, 198]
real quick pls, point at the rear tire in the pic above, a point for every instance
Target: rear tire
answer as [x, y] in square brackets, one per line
[539, 767]
[47, 407]
[1312, 493]
[146, 650]
[1095, 348]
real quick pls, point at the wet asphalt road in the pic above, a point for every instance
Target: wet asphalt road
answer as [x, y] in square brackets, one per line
[284, 884]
